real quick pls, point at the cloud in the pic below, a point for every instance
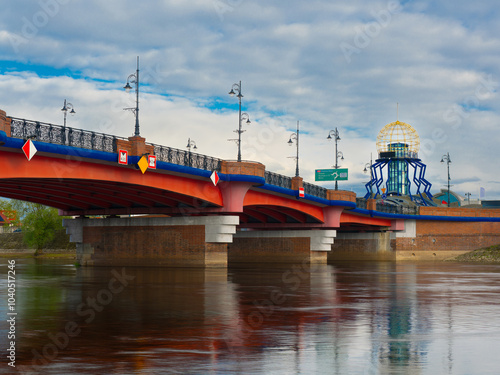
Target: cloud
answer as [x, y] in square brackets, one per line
[431, 58]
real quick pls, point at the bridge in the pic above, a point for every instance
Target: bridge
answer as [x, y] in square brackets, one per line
[172, 213]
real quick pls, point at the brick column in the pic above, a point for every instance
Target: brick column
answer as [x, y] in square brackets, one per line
[297, 182]
[5, 123]
[341, 195]
[243, 167]
[371, 204]
[135, 146]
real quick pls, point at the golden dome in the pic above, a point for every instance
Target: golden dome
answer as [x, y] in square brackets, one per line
[398, 133]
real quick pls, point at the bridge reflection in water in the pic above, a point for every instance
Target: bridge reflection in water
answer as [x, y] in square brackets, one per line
[366, 318]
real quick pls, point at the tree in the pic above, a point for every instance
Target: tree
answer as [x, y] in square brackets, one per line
[39, 222]
[40, 226]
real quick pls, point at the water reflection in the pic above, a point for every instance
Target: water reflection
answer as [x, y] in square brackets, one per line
[364, 318]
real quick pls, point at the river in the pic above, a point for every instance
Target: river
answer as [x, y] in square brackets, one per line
[345, 318]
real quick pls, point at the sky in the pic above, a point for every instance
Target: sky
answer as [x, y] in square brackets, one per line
[352, 66]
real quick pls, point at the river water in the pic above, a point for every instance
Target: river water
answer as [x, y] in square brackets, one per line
[346, 318]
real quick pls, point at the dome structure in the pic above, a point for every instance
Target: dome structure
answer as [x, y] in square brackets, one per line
[398, 136]
[398, 165]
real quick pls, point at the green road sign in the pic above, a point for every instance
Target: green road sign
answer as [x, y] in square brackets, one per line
[339, 174]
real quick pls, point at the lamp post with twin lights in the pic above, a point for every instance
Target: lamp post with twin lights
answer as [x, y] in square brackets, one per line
[67, 107]
[236, 90]
[335, 135]
[134, 78]
[446, 158]
[295, 136]
[369, 165]
[190, 144]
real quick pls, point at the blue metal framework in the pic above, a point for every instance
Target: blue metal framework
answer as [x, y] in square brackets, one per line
[397, 165]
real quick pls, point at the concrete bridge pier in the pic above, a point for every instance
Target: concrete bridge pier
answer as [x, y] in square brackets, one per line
[189, 241]
[363, 246]
[281, 246]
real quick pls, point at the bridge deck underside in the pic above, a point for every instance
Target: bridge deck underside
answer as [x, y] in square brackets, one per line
[76, 196]
[275, 214]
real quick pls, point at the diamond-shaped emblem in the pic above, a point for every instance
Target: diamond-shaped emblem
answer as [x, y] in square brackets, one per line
[143, 164]
[29, 149]
[215, 178]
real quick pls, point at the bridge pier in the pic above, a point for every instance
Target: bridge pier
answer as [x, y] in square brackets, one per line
[363, 246]
[281, 246]
[153, 241]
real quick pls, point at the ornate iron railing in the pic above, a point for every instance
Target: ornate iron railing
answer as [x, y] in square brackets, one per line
[278, 180]
[315, 190]
[57, 134]
[361, 203]
[186, 158]
[393, 209]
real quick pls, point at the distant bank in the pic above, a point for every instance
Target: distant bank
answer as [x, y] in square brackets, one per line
[60, 247]
[489, 254]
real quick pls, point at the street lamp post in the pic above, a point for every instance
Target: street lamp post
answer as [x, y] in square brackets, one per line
[468, 197]
[448, 161]
[67, 107]
[134, 78]
[369, 165]
[190, 144]
[241, 116]
[336, 137]
[295, 136]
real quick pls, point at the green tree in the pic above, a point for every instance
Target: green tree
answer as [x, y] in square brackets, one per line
[39, 222]
[40, 226]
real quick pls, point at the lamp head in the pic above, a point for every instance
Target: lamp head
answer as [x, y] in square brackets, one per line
[127, 87]
[231, 92]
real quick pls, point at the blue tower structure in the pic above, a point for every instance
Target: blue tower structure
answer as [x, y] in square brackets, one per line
[398, 145]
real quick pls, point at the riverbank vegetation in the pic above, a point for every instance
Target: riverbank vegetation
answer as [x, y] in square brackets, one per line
[41, 228]
[489, 254]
